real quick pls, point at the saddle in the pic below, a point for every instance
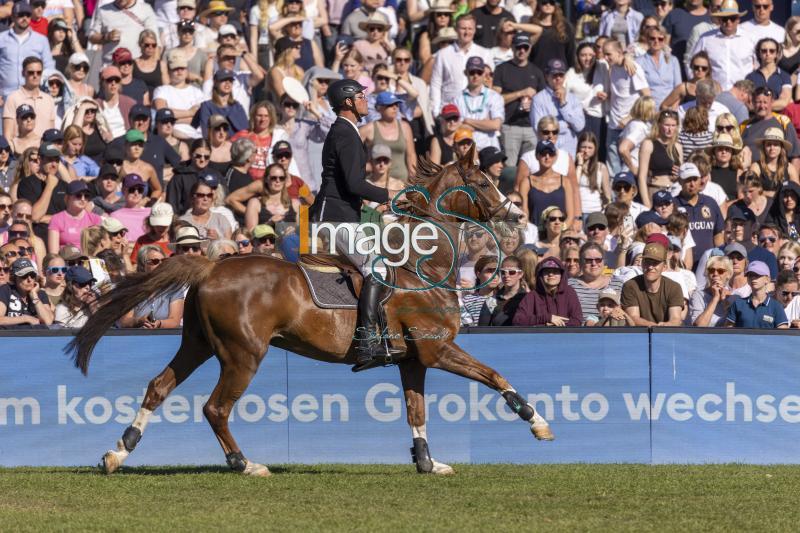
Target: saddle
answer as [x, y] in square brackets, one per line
[333, 282]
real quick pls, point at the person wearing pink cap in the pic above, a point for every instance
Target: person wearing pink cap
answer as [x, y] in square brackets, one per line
[758, 310]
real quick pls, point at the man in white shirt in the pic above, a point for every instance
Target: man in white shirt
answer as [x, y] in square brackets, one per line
[119, 23]
[481, 108]
[448, 78]
[730, 49]
[623, 90]
[761, 26]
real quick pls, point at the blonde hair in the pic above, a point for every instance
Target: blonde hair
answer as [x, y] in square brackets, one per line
[655, 132]
[91, 238]
[792, 246]
[791, 24]
[644, 109]
[528, 261]
[718, 261]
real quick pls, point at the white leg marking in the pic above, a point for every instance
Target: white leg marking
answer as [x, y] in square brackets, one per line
[142, 418]
[419, 432]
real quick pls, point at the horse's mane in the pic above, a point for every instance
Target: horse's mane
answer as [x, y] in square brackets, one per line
[426, 169]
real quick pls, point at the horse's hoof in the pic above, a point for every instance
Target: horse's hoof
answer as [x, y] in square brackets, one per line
[256, 469]
[441, 469]
[110, 463]
[542, 431]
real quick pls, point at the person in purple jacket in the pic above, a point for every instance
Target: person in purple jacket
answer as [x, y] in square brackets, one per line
[552, 302]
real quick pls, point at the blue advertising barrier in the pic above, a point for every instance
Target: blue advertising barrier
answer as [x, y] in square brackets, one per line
[627, 395]
[300, 410]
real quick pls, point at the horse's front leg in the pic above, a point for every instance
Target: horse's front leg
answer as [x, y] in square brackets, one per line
[450, 357]
[412, 374]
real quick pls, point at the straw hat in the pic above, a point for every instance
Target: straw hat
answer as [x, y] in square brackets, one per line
[375, 19]
[729, 8]
[186, 235]
[447, 34]
[441, 6]
[214, 6]
[723, 140]
[774, 134]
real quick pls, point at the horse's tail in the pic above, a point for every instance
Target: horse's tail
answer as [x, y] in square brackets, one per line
[178, 271]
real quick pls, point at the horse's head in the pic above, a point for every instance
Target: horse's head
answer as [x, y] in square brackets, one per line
[481, 201]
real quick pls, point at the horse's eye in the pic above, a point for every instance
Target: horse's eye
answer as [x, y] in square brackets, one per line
[484, 184]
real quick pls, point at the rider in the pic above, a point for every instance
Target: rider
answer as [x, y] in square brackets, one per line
[344, 186]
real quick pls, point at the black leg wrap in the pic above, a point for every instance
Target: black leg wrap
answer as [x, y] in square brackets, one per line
[518, 404]
[131, 438]
[421, 456]
[236, 461]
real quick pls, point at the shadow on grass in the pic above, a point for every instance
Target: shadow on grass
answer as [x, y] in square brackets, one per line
[305, 470]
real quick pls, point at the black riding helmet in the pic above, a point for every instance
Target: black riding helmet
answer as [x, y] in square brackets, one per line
[340, 90]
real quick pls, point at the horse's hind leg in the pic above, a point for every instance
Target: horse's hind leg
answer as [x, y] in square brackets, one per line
[193, 352]
[412, 374]
[450, 357]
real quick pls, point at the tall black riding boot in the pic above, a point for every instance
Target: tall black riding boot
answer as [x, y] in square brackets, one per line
[372, 350]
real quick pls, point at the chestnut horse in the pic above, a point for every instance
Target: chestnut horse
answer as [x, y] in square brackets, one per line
[234, 319]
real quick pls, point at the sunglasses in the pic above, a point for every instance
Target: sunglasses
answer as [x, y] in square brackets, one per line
[293, 105]
[475, 73]
[768, 51]
[54, 82]
[725, 128]
[202, 157]
[787, 294]
[559, 219]
[136, 190]
[113, 80]
[718, 271]
[57, 270]
[5, 270]
[153, 262]
[17, 234]
[509, 271]
[701, 68]
[7, 207]
[189, 248]
[545, 153]
[402, 60]
[201, 195]
[33, 72]
[375, 28]
[593, 260]
[465, 142]
[82, 196]
[115, 162]
[283, 156]
[244, 243]
[656, 38]
[760, 6]
[771, 239]
[22, 216]
[83, 66]
[382, 161]
[548, 132]
[623, 187]
[596, 227]
[218, 13]
[120, 233]
[225, 256]
[476, 234]
[82, 285]
[148, 45]
[723, 20]
[77, 262]
[29, 275]
[269, 239]
[273, 177]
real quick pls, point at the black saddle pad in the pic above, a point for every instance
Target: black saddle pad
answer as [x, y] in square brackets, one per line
[333, 290]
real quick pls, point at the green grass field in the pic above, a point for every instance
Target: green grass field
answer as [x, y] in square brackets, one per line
[394, 498]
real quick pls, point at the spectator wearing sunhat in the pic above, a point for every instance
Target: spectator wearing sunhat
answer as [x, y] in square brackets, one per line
[492, 162]
[218, 14]
[376, 46]
[22, 302]
[557, 102]
[119, 24]
[30, 93]
[481, 108]
[759, 310]
[16, 44]
[650, 298]
[66, 226]
[222, 103]
[188, 242]
[158, 224]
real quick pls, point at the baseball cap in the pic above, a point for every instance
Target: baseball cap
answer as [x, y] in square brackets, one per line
[134, 136]
[21, 8]
[387, 98]
[121, 55]
[161, 214]
[22, 267]
[655, 251]
[625, 177]
[77, 186]
[636, 249]
[108, 170]
[139, 110]
[224, 74]
[132, 180]
[165, 114]
[110, 72]
[215, 121]
[658, 238]
[520, 39]
[78, 58]
[463, 133]
[227, 29]
[185, 25]
[70, 252]
[80, 275]
[381, 150]
[25, 110]
[735, 247]
[176, 59]
[475, 63]
[187, 3]
[743, 213]
[209, 179]
[675, 242]
[555, 66]
[491, 155]
[546, 147]
[662, 197]
[263, 230]
[49, 150]
[282, 147]
[595, 219]
[550, 262]
[112, 225]
[688, 170]
[450, 110]
[609, 294]
[52, 135]
[649, 217]
[755, 267]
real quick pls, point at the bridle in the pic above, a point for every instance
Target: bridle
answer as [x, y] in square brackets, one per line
[488, 212]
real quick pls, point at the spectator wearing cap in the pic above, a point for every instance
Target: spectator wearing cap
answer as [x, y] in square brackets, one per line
[243, 80]
[130, 86]
[463, 141]
[392, 131]
[189, 36]
[120, 246]
[708, 307]
[759, 310]
[661, 69]
[552, 302]
[441, 145]
[134, 164]
[26, 136]
[448, 78]
[623, 90]
[31, 94]
[164, 310]
[518, 80]
[119, 23]
[22, 301]
[155, 231]
[114, 106]
[625, 190]
[592, 278]
[609, 311]
[650, 298]
[283, 155]
[219, 139]
[705, 218]
[79, 301]
[375, 46]
[17, 44]
[381, 175]
[546, 187]
[597, 230]
[132, 215]
[65, 226]
[180, 97]
[556, 101]
[481, 108]
[264, 238]
[106, 190]
[210, 225]
[764, 119]
[222, 103]
[77, 71]
[492, 163]
[649, 222]
[46, 189]
[165, 128]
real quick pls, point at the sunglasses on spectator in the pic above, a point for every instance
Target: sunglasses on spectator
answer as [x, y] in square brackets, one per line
[113, 80]
[244, 243]
[57, 270]
[153, 262]
[476, 234]
[289, 103]
[283, 156]
[149, 45]
[84, 285]
[136, 190]
[228, 58]
[718, 271]
[761, 6]
[23, 216]
[465, 142]
[6, 150]
[556, 219]
[623, 187]
[276, 177]
[596, 227]
[771, 239]
[77, 262]
[29, 275]
[17, 234]
[190, 248]
[33, 72]
[573, 240]
[218, 13]
[226, 255]
[83, 66]
[402, 60]
[475, 73]
[593, 260]
[12, 253]
[656, 38]
[548, 132]
[787, 294]
[6, 207]
[723, 20]
[268, 239]
[509, 271]
[572, 260]
[201, 195]
[725, 128]
[768, 51]
[120, 233]
[382, 161]
[5, 270]
[701, 68]
[202, 157]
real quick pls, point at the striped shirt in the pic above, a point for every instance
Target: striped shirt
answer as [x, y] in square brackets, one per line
[694, 141]
[471, 308]
[587, 296]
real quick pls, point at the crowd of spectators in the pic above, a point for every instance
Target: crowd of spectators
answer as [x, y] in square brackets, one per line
[653, 147]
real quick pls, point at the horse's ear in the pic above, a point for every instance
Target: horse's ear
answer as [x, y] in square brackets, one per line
[468, 161]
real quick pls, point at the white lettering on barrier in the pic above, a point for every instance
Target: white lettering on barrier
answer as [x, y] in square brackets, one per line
[18, 405]
[391, 408]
